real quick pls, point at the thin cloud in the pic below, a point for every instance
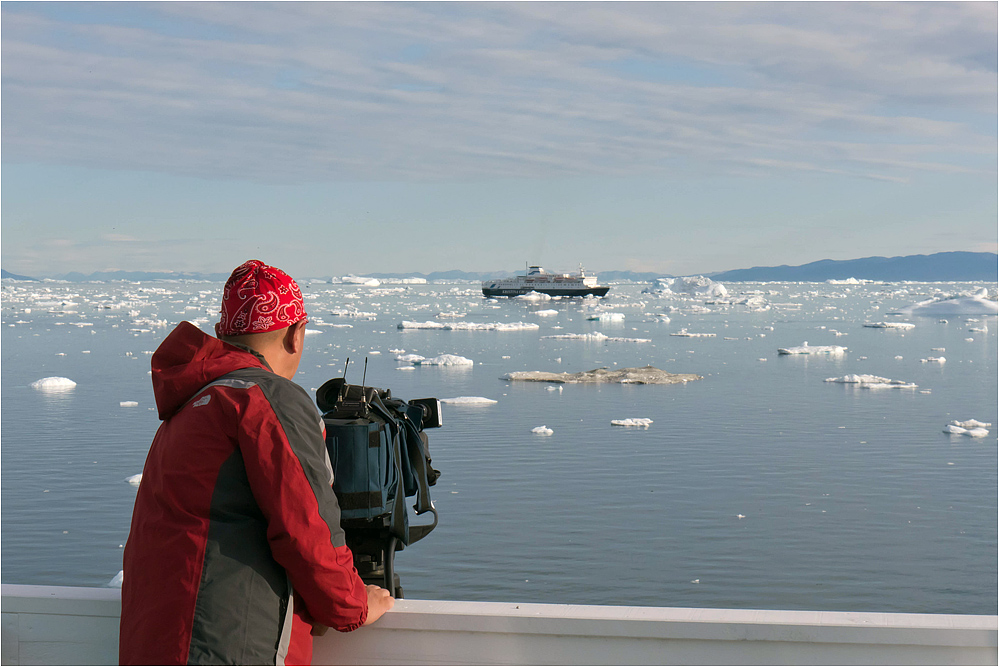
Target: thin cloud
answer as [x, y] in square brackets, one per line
[397, 91]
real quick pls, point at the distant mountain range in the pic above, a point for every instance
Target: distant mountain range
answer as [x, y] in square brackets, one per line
[941, 266]
[938, 267]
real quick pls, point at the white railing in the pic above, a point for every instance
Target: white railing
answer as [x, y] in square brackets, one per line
[59, 625]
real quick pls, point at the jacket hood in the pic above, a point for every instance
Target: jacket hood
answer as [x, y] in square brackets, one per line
[187, 360]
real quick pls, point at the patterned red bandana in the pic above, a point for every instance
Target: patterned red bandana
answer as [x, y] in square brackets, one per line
[259, 298]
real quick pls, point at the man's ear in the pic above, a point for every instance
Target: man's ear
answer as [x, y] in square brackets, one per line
[294, 342]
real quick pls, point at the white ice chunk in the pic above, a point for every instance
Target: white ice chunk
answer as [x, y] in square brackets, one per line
[446, 360]
[128, 404]
[542, 430]
[53, 385]
[546, 313]
[468, 400]
[117, 579]
[410, 358]
[805, 348]
[312, 332]
[638, 421]
[134, 480]
[934, 360]
[607, 317]
[971, 428]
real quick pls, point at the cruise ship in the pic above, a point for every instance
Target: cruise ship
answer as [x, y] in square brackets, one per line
[552, 284]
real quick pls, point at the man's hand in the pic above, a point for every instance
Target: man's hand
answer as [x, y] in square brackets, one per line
[379, 602]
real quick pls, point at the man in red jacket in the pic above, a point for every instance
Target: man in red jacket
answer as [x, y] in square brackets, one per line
[235, 550]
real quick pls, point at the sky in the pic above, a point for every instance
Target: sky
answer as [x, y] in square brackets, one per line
[361, 137]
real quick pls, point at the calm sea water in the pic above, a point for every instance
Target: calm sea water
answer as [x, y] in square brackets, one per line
[759, 486]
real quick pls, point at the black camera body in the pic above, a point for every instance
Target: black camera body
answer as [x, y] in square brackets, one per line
[380, 456]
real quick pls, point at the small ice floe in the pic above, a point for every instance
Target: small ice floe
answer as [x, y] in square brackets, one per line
[546, 313]
[873, 382]
[468, 400]
[934, 360]
[134, 480]
[805, 348]
[410, 358]
[450, 315]
[899, 357]
[53, 385]
[632, 421]
[445, 360]
[312, 332]
[128, 404]
[740, 516]
[971, 428]
[117, 579]
[397, 351]
[542, 430]
[890, 325]
[683, 333]
[606, 317]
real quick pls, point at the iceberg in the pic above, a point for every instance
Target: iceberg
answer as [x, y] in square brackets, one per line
[53, 385]
[128, 404]
[805, 348]
[134, 480]
[606, 317]
[971, 428]
[977, 302]
[542, 430]
[689, 286]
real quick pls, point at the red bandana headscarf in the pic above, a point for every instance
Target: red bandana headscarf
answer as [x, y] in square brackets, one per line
[259, 298]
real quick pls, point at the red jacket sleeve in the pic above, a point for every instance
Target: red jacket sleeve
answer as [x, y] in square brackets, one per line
[283, 448]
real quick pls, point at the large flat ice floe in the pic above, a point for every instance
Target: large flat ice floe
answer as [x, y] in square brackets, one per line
[977, 302]
[890, 325]
[805, 348]
[873, 382]
[644, 375]
[470, 326]
[598, 337]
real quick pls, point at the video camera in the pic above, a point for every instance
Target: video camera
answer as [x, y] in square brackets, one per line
[380, 456]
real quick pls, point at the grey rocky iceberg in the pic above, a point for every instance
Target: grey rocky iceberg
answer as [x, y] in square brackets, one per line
[644, 375]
